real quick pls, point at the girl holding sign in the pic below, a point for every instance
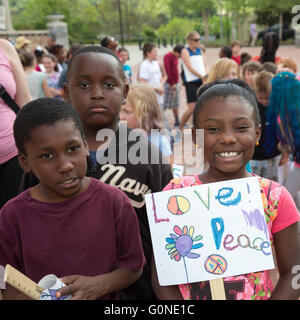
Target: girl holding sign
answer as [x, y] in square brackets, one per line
[227, 112]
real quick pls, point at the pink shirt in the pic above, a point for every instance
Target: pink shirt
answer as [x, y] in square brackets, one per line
[8, 148]
[280, 212]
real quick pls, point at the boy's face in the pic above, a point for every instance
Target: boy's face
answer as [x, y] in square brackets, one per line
[57, 155]
[263, 98]
[96, 89]
[236, 50]
[249, 75]
[124, 56]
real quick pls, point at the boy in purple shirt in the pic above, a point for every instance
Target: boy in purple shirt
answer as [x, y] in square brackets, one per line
[71, 225]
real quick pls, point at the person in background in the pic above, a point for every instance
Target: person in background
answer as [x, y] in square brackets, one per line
[171, 86]
[236, 51]
[270, 46]
[250, 69]
[23, 44]
[111, 43]
[152, 72]
[263, 164]
[124, 56]
[245, 57]
[38, 53]
[223, 68]
[50, 62]
[287, 64]
[143, 112]
[270, 67]
[253, 34]
[225, 52]
[59, 52]
[63, 75]
[37, 81]
[50, 42]
[12, 78]
[284, 123]
[193, 63]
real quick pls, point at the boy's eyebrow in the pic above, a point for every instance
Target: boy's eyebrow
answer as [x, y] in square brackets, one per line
[68, 143]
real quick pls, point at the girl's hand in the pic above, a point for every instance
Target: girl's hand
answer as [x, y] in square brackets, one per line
[81, 287]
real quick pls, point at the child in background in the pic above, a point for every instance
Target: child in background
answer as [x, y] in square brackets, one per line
[229, 115]
[142, 111]
[245, 57]
[223, 68]
[75, 227]
[270, 67]
[37, 82]
[250, 69]
[284, 120]
[171, 86]
[225, 52]
[124, 56]
[264, 164]
[236, 51]
[50, 64]
[287, 64]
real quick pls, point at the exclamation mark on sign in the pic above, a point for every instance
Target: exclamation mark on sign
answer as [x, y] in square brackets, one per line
[248, 189]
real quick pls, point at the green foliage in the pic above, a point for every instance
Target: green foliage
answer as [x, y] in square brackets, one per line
[176, 28]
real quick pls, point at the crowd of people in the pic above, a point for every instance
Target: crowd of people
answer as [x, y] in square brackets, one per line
[65, 194]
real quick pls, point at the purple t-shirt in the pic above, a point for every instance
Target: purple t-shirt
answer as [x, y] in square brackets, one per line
[91, 234]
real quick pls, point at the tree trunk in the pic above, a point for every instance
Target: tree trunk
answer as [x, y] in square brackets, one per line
[280, 24]
[206, 25]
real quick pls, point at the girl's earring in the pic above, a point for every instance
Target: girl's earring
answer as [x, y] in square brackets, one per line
[197, 145]
[257, 143]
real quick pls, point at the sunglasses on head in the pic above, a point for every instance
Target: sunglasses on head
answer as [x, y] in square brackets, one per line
[198, 39]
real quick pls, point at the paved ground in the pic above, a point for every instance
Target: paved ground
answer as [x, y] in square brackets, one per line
[184, 154]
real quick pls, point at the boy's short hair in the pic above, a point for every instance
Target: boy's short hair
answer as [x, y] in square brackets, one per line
[178, 48]
[148, 47]
[235, 43]
[97, 49]
[270, 67]
[262, 82]
[225, 52]
[251, 66]
[39, 112]
[245, 57]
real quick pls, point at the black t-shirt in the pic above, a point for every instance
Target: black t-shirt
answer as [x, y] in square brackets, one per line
[135, 180]
[260, 150]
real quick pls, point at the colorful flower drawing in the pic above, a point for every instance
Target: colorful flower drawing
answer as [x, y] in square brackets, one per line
[181, 243]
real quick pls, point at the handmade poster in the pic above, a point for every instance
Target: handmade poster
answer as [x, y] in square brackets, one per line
[197, 64]
[209, 231]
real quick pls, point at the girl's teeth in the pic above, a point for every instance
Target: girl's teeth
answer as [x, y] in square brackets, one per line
[228, 154]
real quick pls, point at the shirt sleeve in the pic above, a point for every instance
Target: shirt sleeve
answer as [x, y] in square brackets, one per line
[144, 73]
[287, 212]
[130, 252]
[9, 248]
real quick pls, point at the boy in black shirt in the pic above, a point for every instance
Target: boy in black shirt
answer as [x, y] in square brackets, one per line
[97, 88]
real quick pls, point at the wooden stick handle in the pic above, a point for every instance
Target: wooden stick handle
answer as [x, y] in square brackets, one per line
[217, 289]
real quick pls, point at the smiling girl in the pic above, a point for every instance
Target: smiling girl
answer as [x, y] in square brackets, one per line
[228, 114]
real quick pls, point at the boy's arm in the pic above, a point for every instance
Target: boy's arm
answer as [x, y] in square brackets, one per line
[287, 246]
[92, 288]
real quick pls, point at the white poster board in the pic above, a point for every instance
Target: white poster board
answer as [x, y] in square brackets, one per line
[197, 63]
[209, 231]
